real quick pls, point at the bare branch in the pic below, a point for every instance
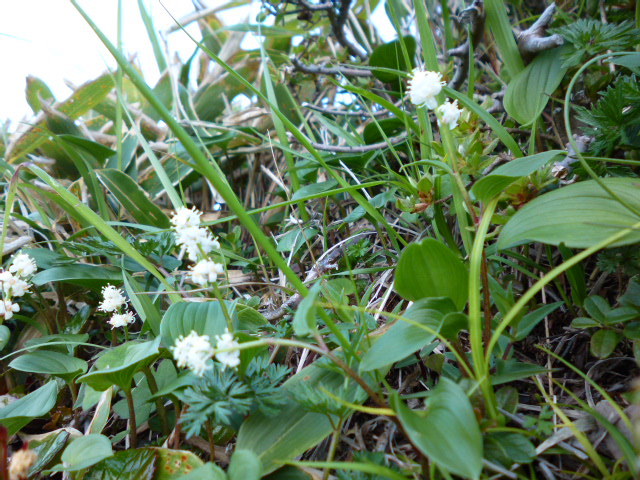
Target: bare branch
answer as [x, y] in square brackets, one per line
[534, 39]
[338, 21]
[364, 148]
[322, 70]
[475, 16]
[345, 113]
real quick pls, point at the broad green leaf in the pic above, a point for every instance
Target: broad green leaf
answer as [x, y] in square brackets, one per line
[5, 335]
[102, 412]
[20, 412]
[37, 91]
[528, 92]
[447, 431]
[135, 464]
[173, 463]
[389, 56]
[47, 362]
[404, 338]
[244, 465]
[497, 181]
[508, 448]
[294, 429]
[597, 308]
[431, 269]
[91, 276]
[84, 452]
[314, 188]
[133, 199]
[579, 215]
[530, 320]
[306, 316]
[205, 318]
[118, 365]
[209, 471]
[604, 342]
[47, 450]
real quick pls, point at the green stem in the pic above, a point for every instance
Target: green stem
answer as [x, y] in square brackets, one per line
[223, 306]
[153, 388]
[133, 435]
[475, 317]
[335, 438]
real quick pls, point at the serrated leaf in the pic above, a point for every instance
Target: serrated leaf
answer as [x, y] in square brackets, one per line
[579, 215]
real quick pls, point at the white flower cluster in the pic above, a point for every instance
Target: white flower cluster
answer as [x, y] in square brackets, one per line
[113, 300]
[195, 240]
[194, 351]
[424, 87]
[198, 244]
[13, 283]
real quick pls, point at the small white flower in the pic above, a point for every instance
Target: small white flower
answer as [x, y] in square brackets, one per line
[229, 358]
[449, 114]
[196, 241]
[12, 286]
[121, 319]
[8, 308]
[205, 272]
[193, 352]
[23, 265]
[113, 299]
[186, 217]
[424, 87]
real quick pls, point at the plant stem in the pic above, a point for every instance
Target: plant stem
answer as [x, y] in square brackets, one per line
[223, 306]
[335, 438]
[153, 388]
[212, 442]
[133, 435]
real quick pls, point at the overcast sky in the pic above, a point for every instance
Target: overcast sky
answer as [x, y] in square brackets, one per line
[49, 39]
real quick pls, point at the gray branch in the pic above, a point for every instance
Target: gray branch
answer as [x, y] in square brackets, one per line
[475, 16]
[534, 40]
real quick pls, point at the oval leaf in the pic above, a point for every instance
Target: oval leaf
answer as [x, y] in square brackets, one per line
[528, 93]
[20, 412]
[47, 362]
[579, 215]
[447, 431]
[405, 337]
[85, 451]
[603, 343]
[117, 366]
[431, 269]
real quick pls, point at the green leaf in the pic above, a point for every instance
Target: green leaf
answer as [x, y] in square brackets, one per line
[389, 56]
[497, 181]
[205, 318]
[294, 429]
[314, 188]
[135, 464]
[404, 338]
[447, 431]
[133, 199]
[597, 307]
[97, 150]
[142, 304]
[508, 448]
[632, 331]
[47, 450]
[173, 463]
[20, 412]
[5, 335]
[306, 316]
[512, 370]
[528, 92]
[208, 471]
[604, 342]
[37, 90]
[84, 452]
[244, 465]
[579, 215]
[530, 320]
[47, 362]
[431, 269]
[90, 276]
[118, 365]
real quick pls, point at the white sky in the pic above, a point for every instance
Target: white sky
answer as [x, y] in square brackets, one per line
[49, 39]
